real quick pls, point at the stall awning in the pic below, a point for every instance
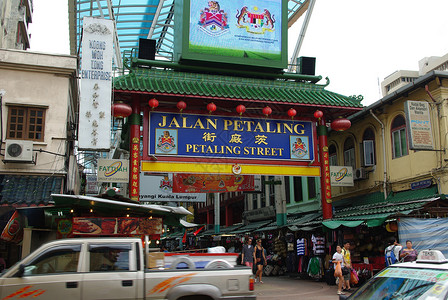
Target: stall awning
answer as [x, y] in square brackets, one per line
[252, 226]
[230, 229]
[188, 224]
[170, 214]
[333, 224]
[374, 210]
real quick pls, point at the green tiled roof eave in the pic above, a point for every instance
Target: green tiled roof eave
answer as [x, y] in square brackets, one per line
[182, 83]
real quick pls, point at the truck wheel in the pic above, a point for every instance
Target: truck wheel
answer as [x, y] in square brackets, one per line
[218, 264]
[183, 259]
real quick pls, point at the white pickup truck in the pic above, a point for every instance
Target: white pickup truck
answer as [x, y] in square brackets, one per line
[114, 268]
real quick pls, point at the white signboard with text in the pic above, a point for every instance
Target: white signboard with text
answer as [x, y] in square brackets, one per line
[418, 122]
[113, 170]
[96, 84]
[341, 176]
[159, 188]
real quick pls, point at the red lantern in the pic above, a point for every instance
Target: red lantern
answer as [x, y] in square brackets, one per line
[121, 110]
[181, 105]
[153, 103]
[341, 124]
[318, 114]
[292, 113]
[267, 111]
[240, 109]
[211, 107]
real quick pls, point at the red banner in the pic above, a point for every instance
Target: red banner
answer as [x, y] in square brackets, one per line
[117, 226]
[198, 183]
[13, 231]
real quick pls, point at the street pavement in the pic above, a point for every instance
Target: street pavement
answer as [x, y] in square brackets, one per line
[288, 288]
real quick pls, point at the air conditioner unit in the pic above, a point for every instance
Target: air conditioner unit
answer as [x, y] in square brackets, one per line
[359, 174]
[19, 151]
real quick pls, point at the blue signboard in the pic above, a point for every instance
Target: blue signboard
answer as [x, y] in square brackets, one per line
[187, 135]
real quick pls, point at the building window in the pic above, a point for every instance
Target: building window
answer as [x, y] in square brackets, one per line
[298, 195]
[399, 140]
[254, 201]
[333, 155]
[26, 123]
[311, 188]
[349, 153]
[368, 147]
[263, 192]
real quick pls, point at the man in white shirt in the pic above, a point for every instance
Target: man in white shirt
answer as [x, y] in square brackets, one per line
[396, 248]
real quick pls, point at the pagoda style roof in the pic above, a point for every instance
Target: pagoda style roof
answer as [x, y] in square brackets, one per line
[223, 87]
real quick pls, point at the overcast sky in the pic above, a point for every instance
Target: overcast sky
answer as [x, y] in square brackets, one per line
[357, 43]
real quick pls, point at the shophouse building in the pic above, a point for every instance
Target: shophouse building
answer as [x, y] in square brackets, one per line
[39, 95]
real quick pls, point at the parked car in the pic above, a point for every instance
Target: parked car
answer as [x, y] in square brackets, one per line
[114, 268]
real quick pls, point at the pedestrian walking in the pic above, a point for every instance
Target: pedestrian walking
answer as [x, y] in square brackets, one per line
[346, 270]
[338, 260]
[259, 260]
[247, 254]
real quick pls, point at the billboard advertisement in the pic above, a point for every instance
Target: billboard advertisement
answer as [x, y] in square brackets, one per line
[113, 170]
[203, 136]
[341, 176]
[159, 188]
[235, 31]
[418, 121]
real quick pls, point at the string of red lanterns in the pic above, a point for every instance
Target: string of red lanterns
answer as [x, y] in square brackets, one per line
[122, 110]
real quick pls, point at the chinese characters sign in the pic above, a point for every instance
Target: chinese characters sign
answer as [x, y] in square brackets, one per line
[96, 84]
[229, 137]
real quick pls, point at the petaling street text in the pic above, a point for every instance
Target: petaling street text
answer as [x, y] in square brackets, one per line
[233, 125]
[260, 151]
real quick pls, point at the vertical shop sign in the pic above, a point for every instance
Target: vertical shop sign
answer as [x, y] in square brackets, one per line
[96, 84]
[326, 166]
[135, 169]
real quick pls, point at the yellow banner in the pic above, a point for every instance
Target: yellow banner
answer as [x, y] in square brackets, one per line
[246, 169]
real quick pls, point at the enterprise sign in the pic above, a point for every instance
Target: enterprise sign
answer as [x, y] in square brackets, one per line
[229, 137]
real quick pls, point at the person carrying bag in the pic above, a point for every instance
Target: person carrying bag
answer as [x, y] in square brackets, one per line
[338, 260]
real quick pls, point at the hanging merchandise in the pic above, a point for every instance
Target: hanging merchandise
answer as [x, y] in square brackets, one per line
[301, 246]
[318, 245]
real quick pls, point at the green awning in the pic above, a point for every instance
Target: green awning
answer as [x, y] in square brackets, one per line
[252, 227]
[333, 224]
